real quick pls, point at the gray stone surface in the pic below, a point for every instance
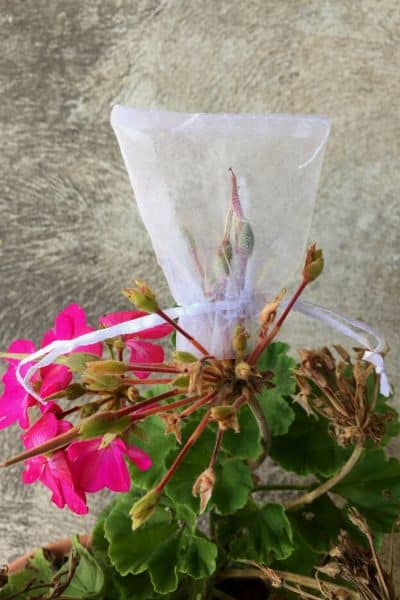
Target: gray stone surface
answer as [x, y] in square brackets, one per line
[69, 228]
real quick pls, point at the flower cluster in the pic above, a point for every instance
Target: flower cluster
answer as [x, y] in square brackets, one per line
[70, 470]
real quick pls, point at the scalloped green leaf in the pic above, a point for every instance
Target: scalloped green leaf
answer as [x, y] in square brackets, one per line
[318, 524]
[232, 486]
[153, 440]
[275, 358]
[373, 486]
[88, 579]
[259, 533]
[37, 569]
[246, 444]
[277, 410]
[132, 551]
[199, 558]
[308, 448]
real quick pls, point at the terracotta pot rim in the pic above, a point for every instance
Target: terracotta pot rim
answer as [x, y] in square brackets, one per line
[60, 548]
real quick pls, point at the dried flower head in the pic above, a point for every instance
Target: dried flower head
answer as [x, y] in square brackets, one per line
[343, 392]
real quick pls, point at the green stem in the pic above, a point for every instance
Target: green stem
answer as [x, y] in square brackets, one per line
[330, 483]
[279, 487]
[265, 433]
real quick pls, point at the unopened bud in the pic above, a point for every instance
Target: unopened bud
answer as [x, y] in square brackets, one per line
[184, 357]
[87, 410]
[224, 257]
[101, 423]
[173, 425]
[106, 367]
[242, 370]
[226, 417]
[268, 313]
[144, 508]
[103, 383]
[314, 263]
[182, 381]
[132, 393]
[245, 238]
[203, 487]
[143, 297]
[239, 340]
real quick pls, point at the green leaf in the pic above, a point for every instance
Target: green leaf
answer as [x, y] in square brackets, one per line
[152, 547]
[260, 533]
[38, 570]
[132, 587]
[373, 486]
[154, 441]
[199, 559]
[277, 411]
[88, 579]
[308, 448]
[393, 426]
[77, 361]
[232, 486]
[163, 564]
[302, 560]
[275, 358]
[318, 524]
[245, 444]
[179, 489]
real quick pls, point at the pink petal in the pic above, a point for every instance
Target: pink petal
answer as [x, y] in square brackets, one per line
[44, 429]
[128, 315]
[98, 468]
[55, 378]
[74, 499]
[33, 469]
[70, 323]
[144, 352]
[21, 346]
[14, 403]
[138, 457]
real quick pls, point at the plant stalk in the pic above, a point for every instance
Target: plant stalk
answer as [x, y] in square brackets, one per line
[330, 483]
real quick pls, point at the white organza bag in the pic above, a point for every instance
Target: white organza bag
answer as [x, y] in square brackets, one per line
[179, 165]
[227, 201]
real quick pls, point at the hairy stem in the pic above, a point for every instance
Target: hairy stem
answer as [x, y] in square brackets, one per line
[185, 334]
[191, 441]
[263, 343]
[330, 483]
[265, 433]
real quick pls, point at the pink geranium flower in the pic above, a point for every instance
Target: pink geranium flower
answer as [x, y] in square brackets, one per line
[140, 351]
[53, 470]
[95, 467]
[15, 400]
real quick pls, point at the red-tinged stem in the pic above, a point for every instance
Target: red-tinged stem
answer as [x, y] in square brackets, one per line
[146, 381]
[201, 402]
[155, 410]
[263, 343]
[185, 334]
[153, 368]
[237, 207]
[139, 405]
[191, 441]
[57, 442]
[217, 445]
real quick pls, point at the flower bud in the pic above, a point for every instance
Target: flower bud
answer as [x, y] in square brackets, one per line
[184, 357]
[144, 508]
[239, 340]
[268, 313]
[226, 417]
[203, 487]
[182, 381]
[173, 425]
[101, 423]
[103, 383]
[132, 393]
[142, 297]
[242, 370]
[106, 367]
[87, 410]
[224, 257]
[245, 238]
[314, 263]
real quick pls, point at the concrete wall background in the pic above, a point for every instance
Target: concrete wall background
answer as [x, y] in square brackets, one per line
[69, 228]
